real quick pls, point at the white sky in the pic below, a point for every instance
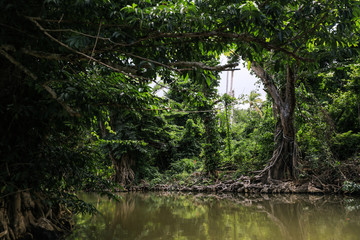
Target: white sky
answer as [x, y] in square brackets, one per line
[243, 82]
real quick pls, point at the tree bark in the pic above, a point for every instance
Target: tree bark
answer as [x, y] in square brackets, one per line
[123, 172]
[283, 164]
[22, 217]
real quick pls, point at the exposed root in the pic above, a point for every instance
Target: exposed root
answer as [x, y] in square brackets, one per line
[3, 233]
[23, 218]
[123, 172]
[283, 163]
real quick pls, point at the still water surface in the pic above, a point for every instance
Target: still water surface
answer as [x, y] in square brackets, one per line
[176, 216]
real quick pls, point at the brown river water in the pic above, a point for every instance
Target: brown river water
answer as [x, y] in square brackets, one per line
[181, 216]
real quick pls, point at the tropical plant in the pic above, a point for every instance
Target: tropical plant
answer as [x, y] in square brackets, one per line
[254, 102]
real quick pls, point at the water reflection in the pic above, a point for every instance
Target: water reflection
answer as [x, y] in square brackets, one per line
[186, 216]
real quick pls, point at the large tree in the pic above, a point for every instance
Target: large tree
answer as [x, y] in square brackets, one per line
[280, 40]
[305, 33]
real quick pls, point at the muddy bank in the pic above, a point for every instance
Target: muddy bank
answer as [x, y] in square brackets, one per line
[244, 185]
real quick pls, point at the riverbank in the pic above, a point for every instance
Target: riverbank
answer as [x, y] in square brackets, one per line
[245, 184]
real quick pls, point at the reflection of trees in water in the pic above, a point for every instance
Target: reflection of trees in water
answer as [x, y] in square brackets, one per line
[287, 214]
[302, 217]
[201, 216]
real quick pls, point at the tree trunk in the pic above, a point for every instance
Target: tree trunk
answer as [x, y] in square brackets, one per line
[123, 172]
[283, 164]
[23, 217]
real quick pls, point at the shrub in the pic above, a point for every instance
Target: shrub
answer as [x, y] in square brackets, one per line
[345, 145]
[184, 165]
[350, 187]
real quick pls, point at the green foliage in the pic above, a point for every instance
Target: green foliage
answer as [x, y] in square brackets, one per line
[43, 148]
[151, 143]
[75, 204]
[211, 146]
[189, 145]
[314, 132]
[184, 165]
[146, 171]
[228, 101]
[345, 145]
[350, 187]
[327, 116]
[196, 92]
[252, 139]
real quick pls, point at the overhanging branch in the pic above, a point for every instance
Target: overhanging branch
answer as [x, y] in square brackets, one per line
[62, 103]
[34, 77]
[38, 54]
[18, 64]
[191, 65]
[201, 65]
[215, 34]
[80, 53]
[268, 82]
[218, 34]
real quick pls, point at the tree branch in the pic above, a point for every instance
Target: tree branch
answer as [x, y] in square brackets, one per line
[219, 33]
[204, 66]
[61, 102]
[81, 53]
[96, 40]
[268, 82]
[152, 61]
[37, 54]
[184, 64]
[44, 55]
[34, 77]
[18, 64]
[77, 32]
[305, 33]
[216, 33]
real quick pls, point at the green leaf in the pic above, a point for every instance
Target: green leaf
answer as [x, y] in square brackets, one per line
[208, 81]
[186, 77]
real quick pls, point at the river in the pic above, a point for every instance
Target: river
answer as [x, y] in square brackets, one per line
[181, 216]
